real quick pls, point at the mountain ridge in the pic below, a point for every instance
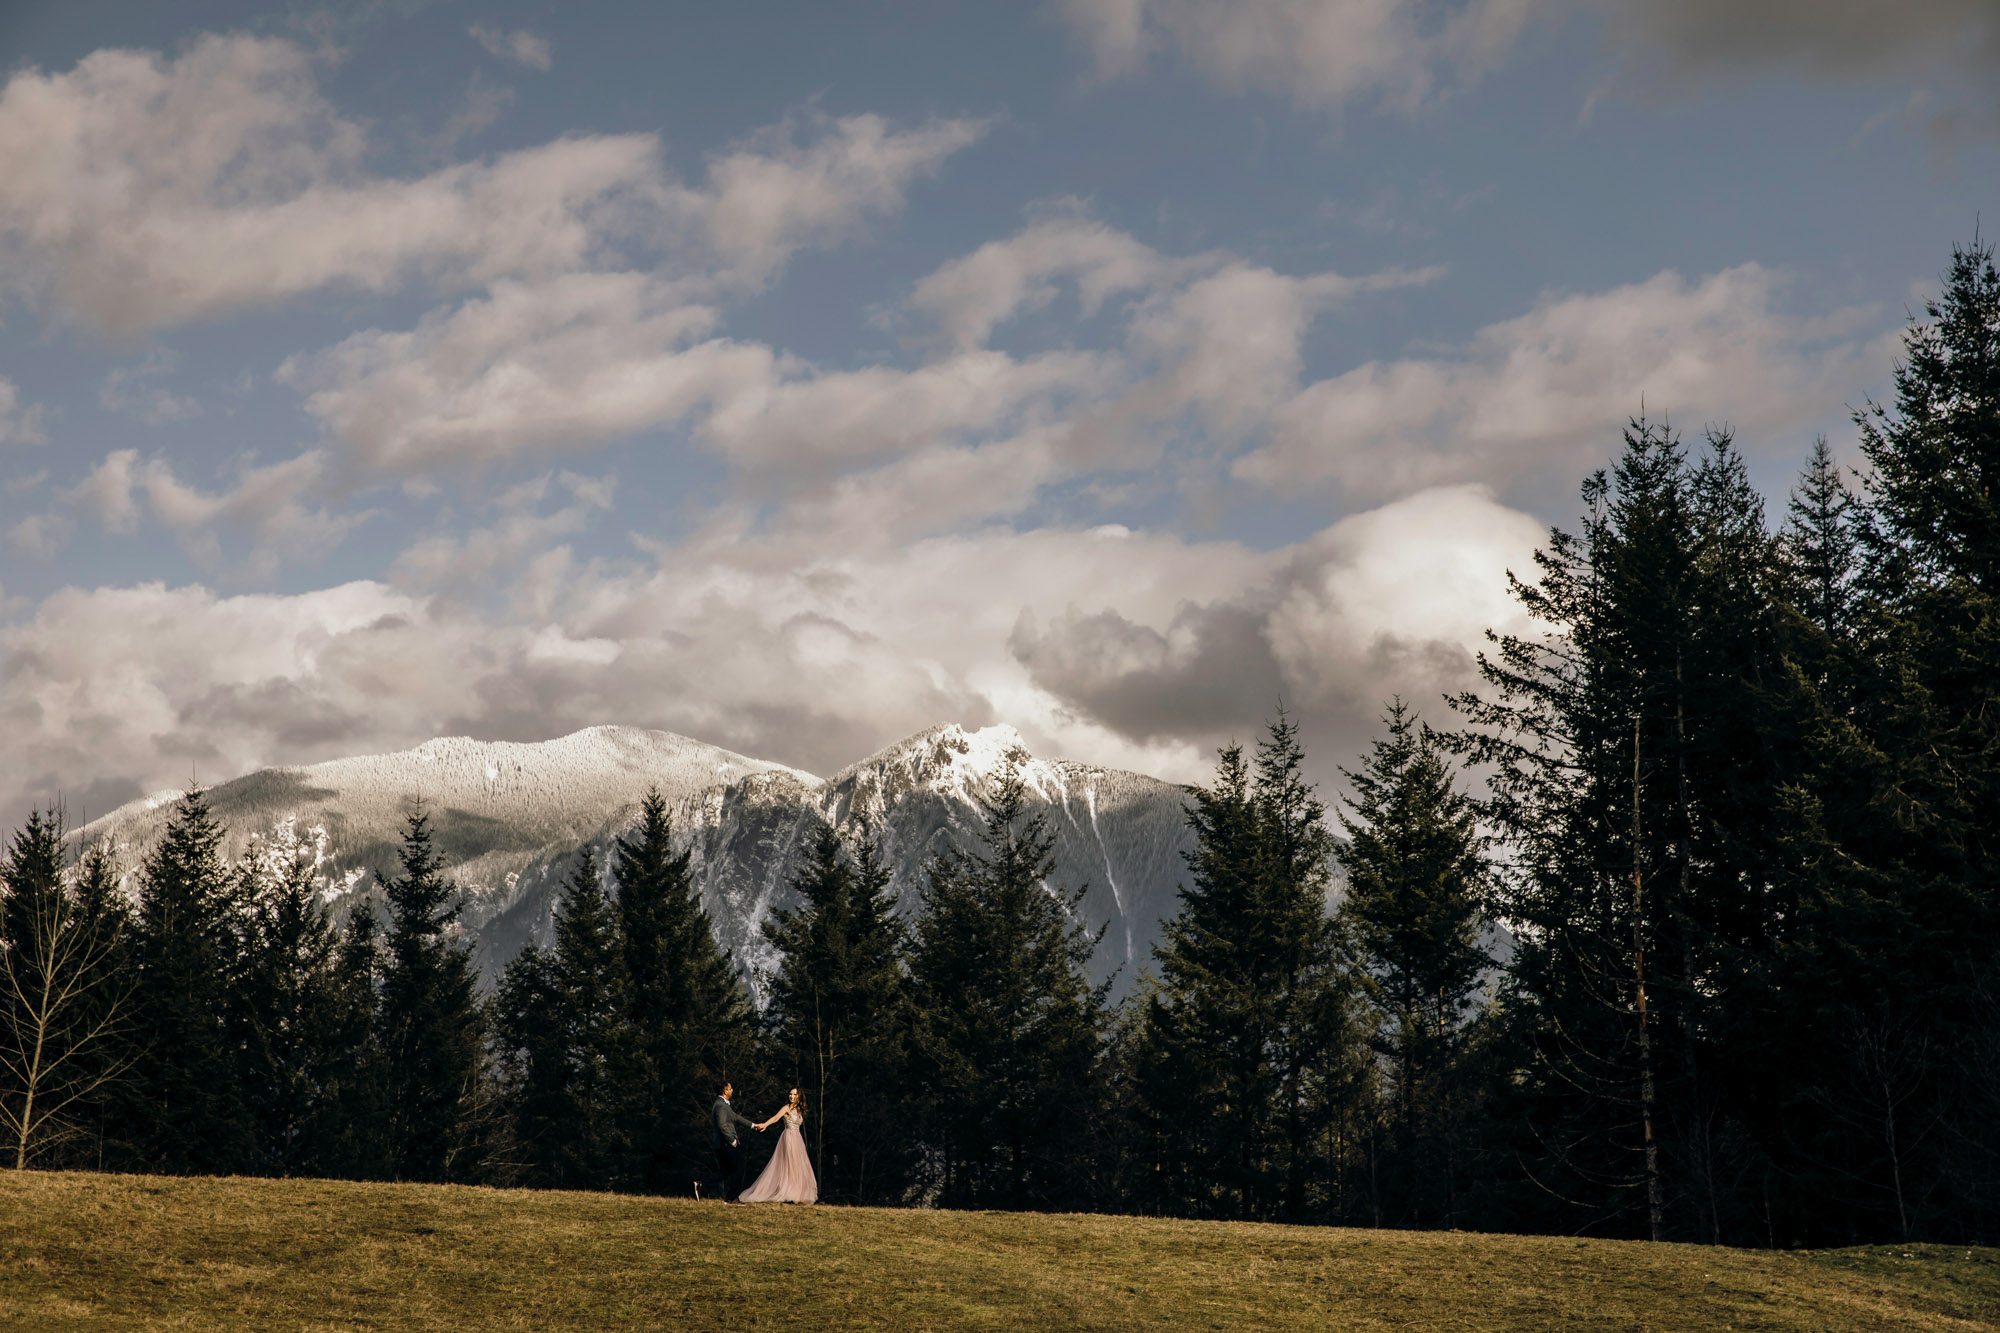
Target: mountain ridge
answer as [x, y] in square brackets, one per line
[510, 820]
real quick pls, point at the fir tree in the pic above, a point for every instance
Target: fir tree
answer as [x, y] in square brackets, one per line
[839, 1014]
[1819, 547]
[690, 1016]
[564, 1013]
[1010, 1026]
[181, 1106]
[1247, 1058]
[1897, 925]
[428, 1020]
[354, 1140]
[288, 1010]
[1415, 892]
[1635, 765]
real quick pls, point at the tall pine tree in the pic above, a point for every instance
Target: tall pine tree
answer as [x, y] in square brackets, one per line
[428, 1021]
[690, 1015]
[1009, 1024]
[1249, 1065]
[287, 1009]
[839, 1017]
[563, 1013]
[180, 1108]
[1416, 886]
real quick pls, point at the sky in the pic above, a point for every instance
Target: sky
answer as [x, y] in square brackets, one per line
[797, 376]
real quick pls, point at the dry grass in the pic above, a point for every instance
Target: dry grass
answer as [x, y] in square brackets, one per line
[85, 1252]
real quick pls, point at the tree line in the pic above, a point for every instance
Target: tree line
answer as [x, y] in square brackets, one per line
[1684, 924]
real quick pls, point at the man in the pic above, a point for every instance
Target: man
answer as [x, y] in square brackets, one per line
[724, 1130]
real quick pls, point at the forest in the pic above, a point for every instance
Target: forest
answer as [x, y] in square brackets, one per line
[1683, 925]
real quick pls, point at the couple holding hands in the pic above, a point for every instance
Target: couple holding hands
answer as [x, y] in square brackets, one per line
[788, 1178]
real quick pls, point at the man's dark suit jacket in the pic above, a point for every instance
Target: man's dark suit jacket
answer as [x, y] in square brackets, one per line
[724, 1123]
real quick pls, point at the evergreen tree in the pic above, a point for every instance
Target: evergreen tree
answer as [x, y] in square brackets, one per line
[1415, 891]
[1248, 1059]
[1635, 766]
[839, 1015]
[1009, 1025]
[690, 1015]
[563, 1014]
[180, 1108]
[1819, 546]
[354, 1140]
[428, 1020]
[1897, 924]
[288, 1005]
[61, 998]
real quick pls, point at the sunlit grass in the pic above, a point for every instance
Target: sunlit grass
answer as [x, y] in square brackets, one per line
[87, 1251]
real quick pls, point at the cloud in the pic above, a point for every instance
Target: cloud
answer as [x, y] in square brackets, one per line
[1395, 599]
[131, 390]
[18, 424]
[969, 296]
[573, 359]
[863, 414]
[461, 565]
[267, 501]
[1833, 38]
[1228, 343]
[144, 193]
[524, 48]
[1319, 53]
[770, 195]
[1112, 645]
[1545, 390]
[41, 535]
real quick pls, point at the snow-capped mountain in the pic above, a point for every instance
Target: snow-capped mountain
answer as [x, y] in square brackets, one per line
[511, 819]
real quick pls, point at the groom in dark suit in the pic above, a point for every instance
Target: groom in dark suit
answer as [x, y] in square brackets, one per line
[724, 1135]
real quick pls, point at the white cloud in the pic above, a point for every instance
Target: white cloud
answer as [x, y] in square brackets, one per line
[1228, 343]
[524, 48]
[18, 424]
[267, 501]
[854, 415]
[1549, 388]
[969, 296]
[807, 652]
[134, 390]
[41, 535]
[1316, 52]
[461, 565]
[144, 192]
[770, 195]
[573, 359]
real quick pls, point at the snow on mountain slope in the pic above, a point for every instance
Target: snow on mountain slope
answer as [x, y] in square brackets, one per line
[512, 819]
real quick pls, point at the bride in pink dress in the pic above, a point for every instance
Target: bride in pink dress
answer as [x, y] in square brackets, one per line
[788, 1178]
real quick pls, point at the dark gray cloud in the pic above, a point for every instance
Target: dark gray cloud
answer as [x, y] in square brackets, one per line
[1212, 671]
[1832, 37]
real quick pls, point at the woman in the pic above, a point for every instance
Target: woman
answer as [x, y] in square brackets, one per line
[788, 1178]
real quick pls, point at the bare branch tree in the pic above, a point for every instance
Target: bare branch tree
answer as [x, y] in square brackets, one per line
[61, 1001]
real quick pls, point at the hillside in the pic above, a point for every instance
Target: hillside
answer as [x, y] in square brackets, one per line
[511, 819]
[98, 1252]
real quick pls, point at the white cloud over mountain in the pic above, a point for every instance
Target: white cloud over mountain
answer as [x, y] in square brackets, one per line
[807, 659]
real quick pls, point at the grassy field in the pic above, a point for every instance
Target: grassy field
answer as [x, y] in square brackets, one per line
[129, 1252]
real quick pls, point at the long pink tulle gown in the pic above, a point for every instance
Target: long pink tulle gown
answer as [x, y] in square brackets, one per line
[788, 1178]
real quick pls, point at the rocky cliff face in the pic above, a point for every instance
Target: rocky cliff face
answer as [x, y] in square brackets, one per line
[511, 821]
